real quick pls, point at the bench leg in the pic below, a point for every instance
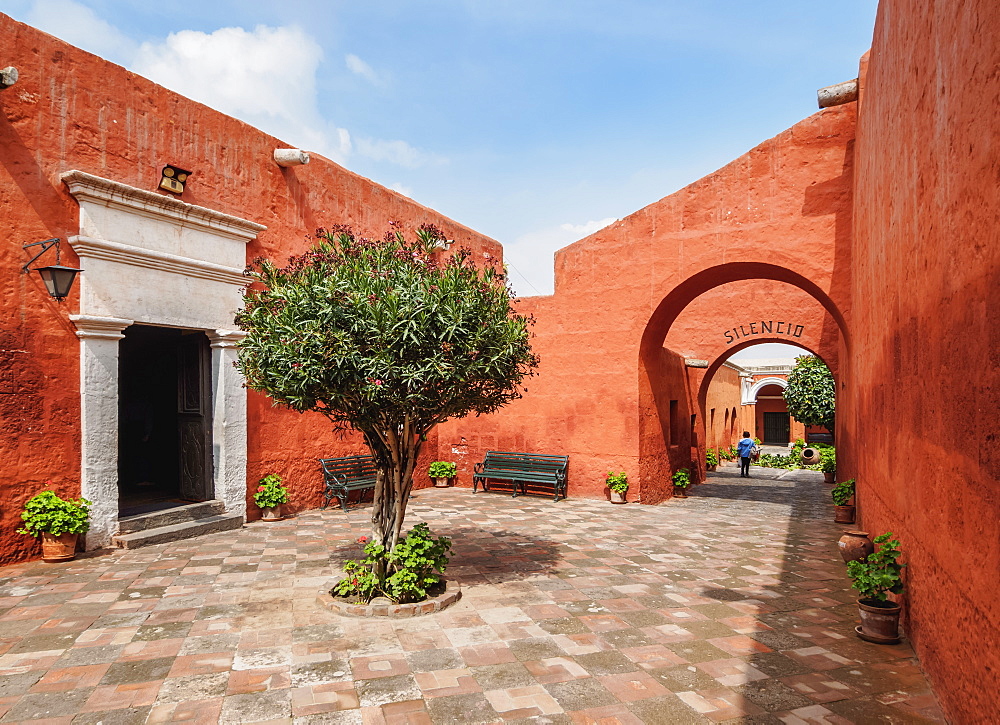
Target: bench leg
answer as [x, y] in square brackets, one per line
[475, 483]
[342, 497]
[327, 496]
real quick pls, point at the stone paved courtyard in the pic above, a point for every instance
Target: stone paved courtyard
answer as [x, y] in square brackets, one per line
[730, 606]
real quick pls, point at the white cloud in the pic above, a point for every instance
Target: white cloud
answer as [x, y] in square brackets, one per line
[531, 257]
[266, 77]
[396, 152]
[359, 67]
[402, 189]
[80, 26]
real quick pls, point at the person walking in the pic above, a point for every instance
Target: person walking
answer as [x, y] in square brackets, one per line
[745, 448]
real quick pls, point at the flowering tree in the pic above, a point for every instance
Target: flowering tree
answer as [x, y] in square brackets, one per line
[811, 394]
[382, 338]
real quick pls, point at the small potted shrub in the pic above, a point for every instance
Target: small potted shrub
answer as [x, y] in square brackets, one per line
[58, 521]
[681, 479]
[618, 483]
[828, 464]
[842, 494]
[711, 459]
[442, 472]
[269, 496]
[875, 577]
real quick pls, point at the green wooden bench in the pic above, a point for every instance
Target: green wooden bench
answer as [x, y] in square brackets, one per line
[538, 472]
[343, 475]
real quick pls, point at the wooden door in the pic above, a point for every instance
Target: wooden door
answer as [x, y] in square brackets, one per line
[194, 417]
[776, 428]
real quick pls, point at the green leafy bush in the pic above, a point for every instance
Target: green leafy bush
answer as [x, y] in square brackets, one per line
[879, 574]
[45, 512]
[828, 460]
[270, 492]
[711, 457]
[681, 478]
[442, 469]
[843, 492]
[811, 393]
[617, 482]
[407, 572]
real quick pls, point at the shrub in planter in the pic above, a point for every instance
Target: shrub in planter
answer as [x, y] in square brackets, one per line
[875, 578]
[58, 521]
[618, 483]
[269, 496]
[441, 471]
[682, 479]
[711, 458]
[842, 494]
[404, 574]
[828, 463]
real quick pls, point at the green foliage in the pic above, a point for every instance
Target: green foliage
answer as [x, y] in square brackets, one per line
[270, 492]
[774, 460]
[828, 459]
[442, 469]
[617, 482]
[45, 512]
[403, 574]
[372, 332]
[811, 393]
[843, 492]
[879, 574]
[711, 457]
[798, 446]
[681, 478]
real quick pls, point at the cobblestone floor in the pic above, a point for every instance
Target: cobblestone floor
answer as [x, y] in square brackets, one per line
[730, 606]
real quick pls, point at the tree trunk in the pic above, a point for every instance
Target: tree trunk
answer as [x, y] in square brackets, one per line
[395, 451]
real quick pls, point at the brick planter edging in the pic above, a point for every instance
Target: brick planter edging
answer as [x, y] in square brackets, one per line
[452, 593]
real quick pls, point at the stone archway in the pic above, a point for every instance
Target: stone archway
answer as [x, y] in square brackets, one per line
[155, 260]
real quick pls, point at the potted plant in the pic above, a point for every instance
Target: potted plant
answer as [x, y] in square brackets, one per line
[681, 479]
[58, 521]
[269, 496]
[842, 494]
[442, 472]
[618, 483]
[875, 577]
[828, 464]
[711, 459]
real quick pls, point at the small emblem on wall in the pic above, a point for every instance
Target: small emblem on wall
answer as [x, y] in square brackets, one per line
[173, 179]
[764, 327]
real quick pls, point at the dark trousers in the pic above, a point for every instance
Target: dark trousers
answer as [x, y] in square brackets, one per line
[745, 467]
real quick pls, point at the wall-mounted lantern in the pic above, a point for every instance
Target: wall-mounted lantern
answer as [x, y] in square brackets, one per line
[57, 278]
[173, 178]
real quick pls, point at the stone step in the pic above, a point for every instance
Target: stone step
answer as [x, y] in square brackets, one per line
[171, 516]
[178, 531]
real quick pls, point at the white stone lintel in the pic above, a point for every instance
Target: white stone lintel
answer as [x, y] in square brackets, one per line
[89, 247]
[105, 192]
[104, 328]
[226, 338]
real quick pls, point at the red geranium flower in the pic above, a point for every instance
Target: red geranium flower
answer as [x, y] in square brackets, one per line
[362, 539]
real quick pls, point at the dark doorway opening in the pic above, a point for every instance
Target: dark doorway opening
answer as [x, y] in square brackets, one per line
[164, 437]
[776, 428]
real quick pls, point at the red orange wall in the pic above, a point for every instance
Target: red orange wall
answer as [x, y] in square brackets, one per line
[73, 110]
[926, 313]
[724, 394]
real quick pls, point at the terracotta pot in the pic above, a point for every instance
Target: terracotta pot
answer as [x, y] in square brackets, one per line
[58, 548]
[879, 621]
[829, 476]
[441, 482]
[271, 513]
[680, 492]
[711, 469]
[618, 497]
[855, 546]
[809, 456]
[843, 515]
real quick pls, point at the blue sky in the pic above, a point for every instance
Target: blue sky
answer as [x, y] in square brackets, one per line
[532, 121]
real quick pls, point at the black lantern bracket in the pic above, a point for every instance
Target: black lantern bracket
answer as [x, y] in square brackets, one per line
[57, 278]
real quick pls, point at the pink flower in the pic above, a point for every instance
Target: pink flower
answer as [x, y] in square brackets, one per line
[259, 489]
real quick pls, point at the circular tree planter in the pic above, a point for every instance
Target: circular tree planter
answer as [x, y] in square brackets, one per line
[451, 594]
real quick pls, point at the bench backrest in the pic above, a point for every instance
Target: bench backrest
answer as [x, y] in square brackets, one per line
[511, 461]
[350, 467]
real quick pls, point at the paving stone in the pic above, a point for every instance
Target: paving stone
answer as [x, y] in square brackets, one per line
[733, 605]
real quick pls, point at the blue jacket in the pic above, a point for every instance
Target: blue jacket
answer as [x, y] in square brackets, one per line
[745, 447]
